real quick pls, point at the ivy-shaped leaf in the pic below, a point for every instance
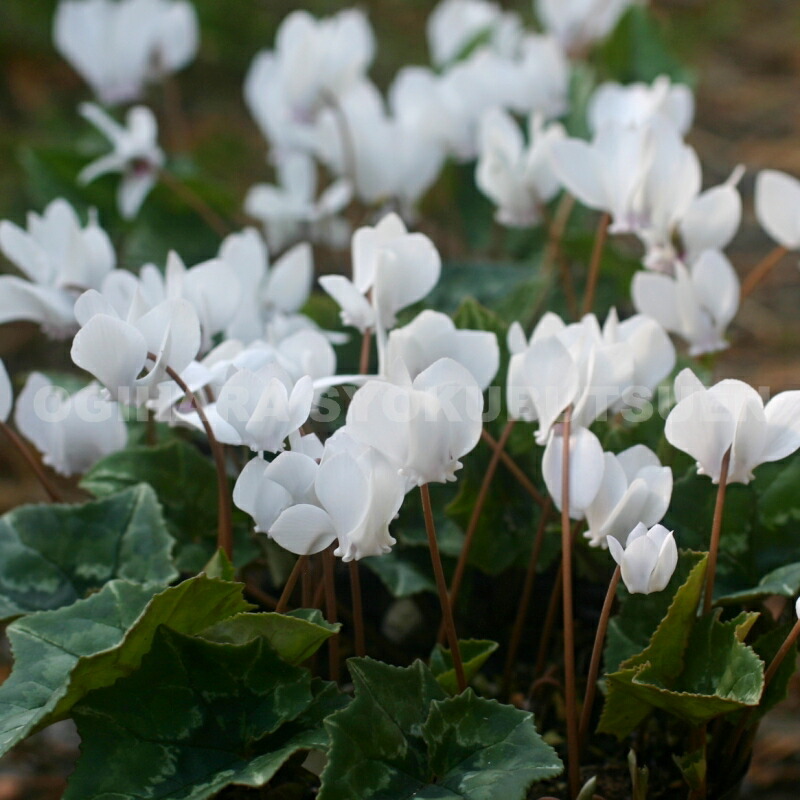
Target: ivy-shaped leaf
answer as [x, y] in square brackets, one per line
[62, 655]
[480, 749]
[624, 709]
[474, 654]
[53, 555]
[695, 669]
[784, 581]
[402, 738]
[197, 716]
[640, 614]
[186, 485]
[295, 636]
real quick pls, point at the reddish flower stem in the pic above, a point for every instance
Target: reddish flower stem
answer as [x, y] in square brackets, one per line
[716, 531]
[328, 564]
[291, 582]
[441, 585]
[594, 265]
[33, 462]
[761, 270]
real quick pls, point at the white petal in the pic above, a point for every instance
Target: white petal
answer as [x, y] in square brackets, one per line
[711, 221]
[6, 393]
[577, 166]
[586, 468]
[778, 207]
[665, 565]
[783, 426]
[111, 350]
[356, 309]
[656, 296]
[303, 530]
[290, 279]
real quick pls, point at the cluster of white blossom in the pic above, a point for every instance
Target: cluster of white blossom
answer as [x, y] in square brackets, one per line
[231, 328]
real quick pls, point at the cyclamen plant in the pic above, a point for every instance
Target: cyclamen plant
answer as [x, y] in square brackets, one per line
[232, 440]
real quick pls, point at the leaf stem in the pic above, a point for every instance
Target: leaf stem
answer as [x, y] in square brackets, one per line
[224, 509]
[441, 585]
[716, 531]
[52, 491]
[298, 568]
[594, 664]
[594, 265]
[762, 269]
[472, 526]
[525, 600]
[573, 763]
[328, 564]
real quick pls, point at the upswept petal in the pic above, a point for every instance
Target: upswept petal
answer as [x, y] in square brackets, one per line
[111, 350]
[778, 207]
[585, 471]
[656, 296]
[711, 221]
[577, 166]
[20, 300]
[355, 308]
[290, 278]
[783, 426]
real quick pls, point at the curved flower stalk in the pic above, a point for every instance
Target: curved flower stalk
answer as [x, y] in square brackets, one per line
[135, 154]
[118, 46]
[586, 465]
[731, 416]
[116, 350]
[291, 211]
[454, 26]
[60, 259]
[582, 365]
[71, 432]
[261, 409]
[432, 335]
[423, 427]
[639, 104]
[647, 560]
[268, 291]
[313, 60]
[635, 488]
[518, 180]
[393, 268]
[697, 304]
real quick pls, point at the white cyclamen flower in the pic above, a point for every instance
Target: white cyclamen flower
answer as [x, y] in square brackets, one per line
[261, 408]
[391, 266]
[71, 432]
[579, 23]
[291, 211]
[387, 154]
[778, 207]
[585, 469]
[136, 154]
[314, 62]
[422, 427]
[432, 335]
[266, 290]
[697, 304]
[635, 488]
[115, 349]
[60, 259]
[608, 174]
[574, 365]
[648, 560]
[638, 104]
[119, 45]
[731, 415]
[359, 493]
[517, 179]
[456, 25]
